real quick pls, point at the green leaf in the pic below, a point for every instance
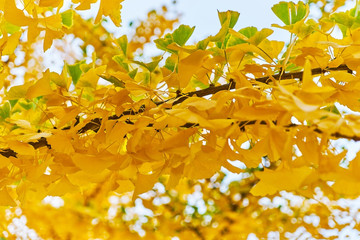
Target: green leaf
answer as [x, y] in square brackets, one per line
[5, 111]
[248, 31]
[228, 20]
[67, 18]
[202, 44]
[182, 34]
[27, 105]
[170, 64]
[13, 102]
[343, 19]
[298, 11]
[162, 43]
[133, 73]
[281, 10]
[302, 29]
[120, 59]
[259, 36]
[113, 80]
[179, 36]
[144, 78]
[289, 12]
[222, 44]
[123, 43]
[332, 109]
[11, 28]
[149, 66]
[75, 71]
[252, 34]
[233, 15]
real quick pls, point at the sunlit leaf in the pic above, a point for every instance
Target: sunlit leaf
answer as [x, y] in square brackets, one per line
[67, 18]
[289, 12]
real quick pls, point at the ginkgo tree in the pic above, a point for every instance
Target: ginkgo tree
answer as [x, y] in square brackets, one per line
[118, 145]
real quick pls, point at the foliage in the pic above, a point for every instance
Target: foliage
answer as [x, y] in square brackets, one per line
[121, 145]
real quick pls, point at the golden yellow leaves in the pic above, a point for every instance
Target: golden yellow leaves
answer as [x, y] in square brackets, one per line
[15, 16]
[60, 142]
[12, 43]
[4, 161]
[107, 8]
[124, 136]
[50, 3]
[91, 77]
[92, 163]
[32, 17]
[189, 65]
[280, 179]
[346, 180]
[30, 90]
[61, 187]
[40, 88]
[5, 198]
[111, 8]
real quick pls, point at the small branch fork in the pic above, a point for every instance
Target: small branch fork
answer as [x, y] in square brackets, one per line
[95, 123]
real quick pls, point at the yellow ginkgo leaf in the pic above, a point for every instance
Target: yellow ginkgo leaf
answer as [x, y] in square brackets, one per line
[84, 4]
[61, 142]
[40, 88]
[189, 117]
[199, 103]
[190, 65]
[124, 186]
[204, 164]
[53, 22]
[61, 187]
[111, 8]
[50, 3]
[4, 161]
[307, 80]
[144, 183]
[50, 35]
[21, 148]
[181, 139]
[91, 163]
[15, 16]
[91, 77]
[284, 179]
[56, 78]
[17, 92]
[6, 199]
[12, 43]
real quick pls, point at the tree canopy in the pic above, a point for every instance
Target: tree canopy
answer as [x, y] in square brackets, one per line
[233, 136]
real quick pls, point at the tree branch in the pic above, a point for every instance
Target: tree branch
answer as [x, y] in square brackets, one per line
[231, 85]
[95, 123]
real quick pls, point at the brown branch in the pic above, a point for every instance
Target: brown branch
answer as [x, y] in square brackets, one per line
[42, 142]
[298, 75]
[231, 85]
[95, 123]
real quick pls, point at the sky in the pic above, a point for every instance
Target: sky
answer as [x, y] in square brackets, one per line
[203, 14]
